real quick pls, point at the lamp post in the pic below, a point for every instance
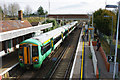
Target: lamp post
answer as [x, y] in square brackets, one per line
[111, 34]
[116, 42]
[92, 25]
[115, 6]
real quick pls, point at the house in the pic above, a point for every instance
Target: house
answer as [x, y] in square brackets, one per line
[9, 45]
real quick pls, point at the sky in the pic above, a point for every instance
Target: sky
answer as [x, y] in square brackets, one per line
[63, 6]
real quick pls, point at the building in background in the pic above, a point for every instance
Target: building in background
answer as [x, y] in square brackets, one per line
[9, 45]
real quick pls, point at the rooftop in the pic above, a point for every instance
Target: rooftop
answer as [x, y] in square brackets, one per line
[9, 25]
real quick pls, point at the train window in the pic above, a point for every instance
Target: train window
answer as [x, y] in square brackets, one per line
[45, 48]
[57, 39]
[65, 33]
[71, 28]
[34, 51]
[21, 51]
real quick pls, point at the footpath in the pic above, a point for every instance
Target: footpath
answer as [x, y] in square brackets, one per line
[103, 73]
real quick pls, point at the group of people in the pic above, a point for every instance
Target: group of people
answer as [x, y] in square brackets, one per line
[86, 33]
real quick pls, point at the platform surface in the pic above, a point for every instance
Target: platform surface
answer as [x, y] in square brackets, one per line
[8, 61]
[82, 66]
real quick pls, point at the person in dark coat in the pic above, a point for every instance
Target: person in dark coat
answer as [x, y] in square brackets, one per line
[98, 46]
[97, 41]
[83, 38]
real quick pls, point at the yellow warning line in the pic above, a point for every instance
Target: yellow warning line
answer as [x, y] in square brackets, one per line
[82, 61]
[5, 65]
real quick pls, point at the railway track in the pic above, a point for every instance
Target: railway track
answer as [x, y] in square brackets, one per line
[63, 65]
[63, 55]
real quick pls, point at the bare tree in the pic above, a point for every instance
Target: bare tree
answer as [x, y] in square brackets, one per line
[0, 14]
[28, 10]
[1, 20]
[5, 10]
[13, 9]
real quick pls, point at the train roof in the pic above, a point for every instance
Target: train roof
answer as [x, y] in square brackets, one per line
[54, 33]
[31, 41]
[48, 35]
[51, 34]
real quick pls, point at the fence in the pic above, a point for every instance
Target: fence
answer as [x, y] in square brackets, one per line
[94, 59]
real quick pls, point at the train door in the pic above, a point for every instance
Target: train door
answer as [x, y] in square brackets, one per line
[27, 56]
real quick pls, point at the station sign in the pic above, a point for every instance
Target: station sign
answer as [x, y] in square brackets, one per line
[110, 58]
[111, 6]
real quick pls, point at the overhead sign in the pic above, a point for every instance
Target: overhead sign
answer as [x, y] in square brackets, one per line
[110, 58]
[111, 6]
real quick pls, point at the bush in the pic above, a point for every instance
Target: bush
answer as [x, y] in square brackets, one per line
[53, 22]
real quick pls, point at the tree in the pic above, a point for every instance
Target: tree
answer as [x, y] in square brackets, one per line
[28, 10]
[104, 24]
[13, 9]
[51, 21]
[5, 10]
[1, 11]
[46, 12]
[40, 11]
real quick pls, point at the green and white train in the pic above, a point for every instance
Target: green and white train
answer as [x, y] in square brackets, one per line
[34, 51]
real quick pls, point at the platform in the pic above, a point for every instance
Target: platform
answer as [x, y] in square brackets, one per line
[8, 62]
[82, 65]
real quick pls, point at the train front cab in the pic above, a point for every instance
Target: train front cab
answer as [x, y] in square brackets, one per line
[29, 55]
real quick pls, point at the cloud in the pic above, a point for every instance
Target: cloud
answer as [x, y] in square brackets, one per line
[62, 6]
[81, 4]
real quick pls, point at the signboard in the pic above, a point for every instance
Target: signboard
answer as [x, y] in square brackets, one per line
[111, 6]
[110, 58]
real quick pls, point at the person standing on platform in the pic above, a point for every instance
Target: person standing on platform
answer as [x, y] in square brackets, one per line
[97, 41]
[86, 29]
[98, 45]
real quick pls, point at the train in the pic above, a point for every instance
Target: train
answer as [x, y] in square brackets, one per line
[33, 51]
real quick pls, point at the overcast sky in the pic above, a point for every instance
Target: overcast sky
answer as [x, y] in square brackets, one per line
[63, 6]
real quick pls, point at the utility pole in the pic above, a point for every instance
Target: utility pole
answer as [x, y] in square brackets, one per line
[49, 7]
[92, 20]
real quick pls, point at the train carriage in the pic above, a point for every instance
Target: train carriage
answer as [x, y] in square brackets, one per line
[33, 51]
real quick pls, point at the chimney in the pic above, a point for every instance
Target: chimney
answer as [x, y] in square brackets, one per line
[20, 15]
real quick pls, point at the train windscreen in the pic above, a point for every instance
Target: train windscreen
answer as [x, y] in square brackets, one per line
[34, 51]
[21, 51]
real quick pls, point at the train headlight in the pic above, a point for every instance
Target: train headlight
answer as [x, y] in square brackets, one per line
[21, 60]
[36, 60]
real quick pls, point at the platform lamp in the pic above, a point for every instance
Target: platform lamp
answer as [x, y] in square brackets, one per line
[115, 6]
